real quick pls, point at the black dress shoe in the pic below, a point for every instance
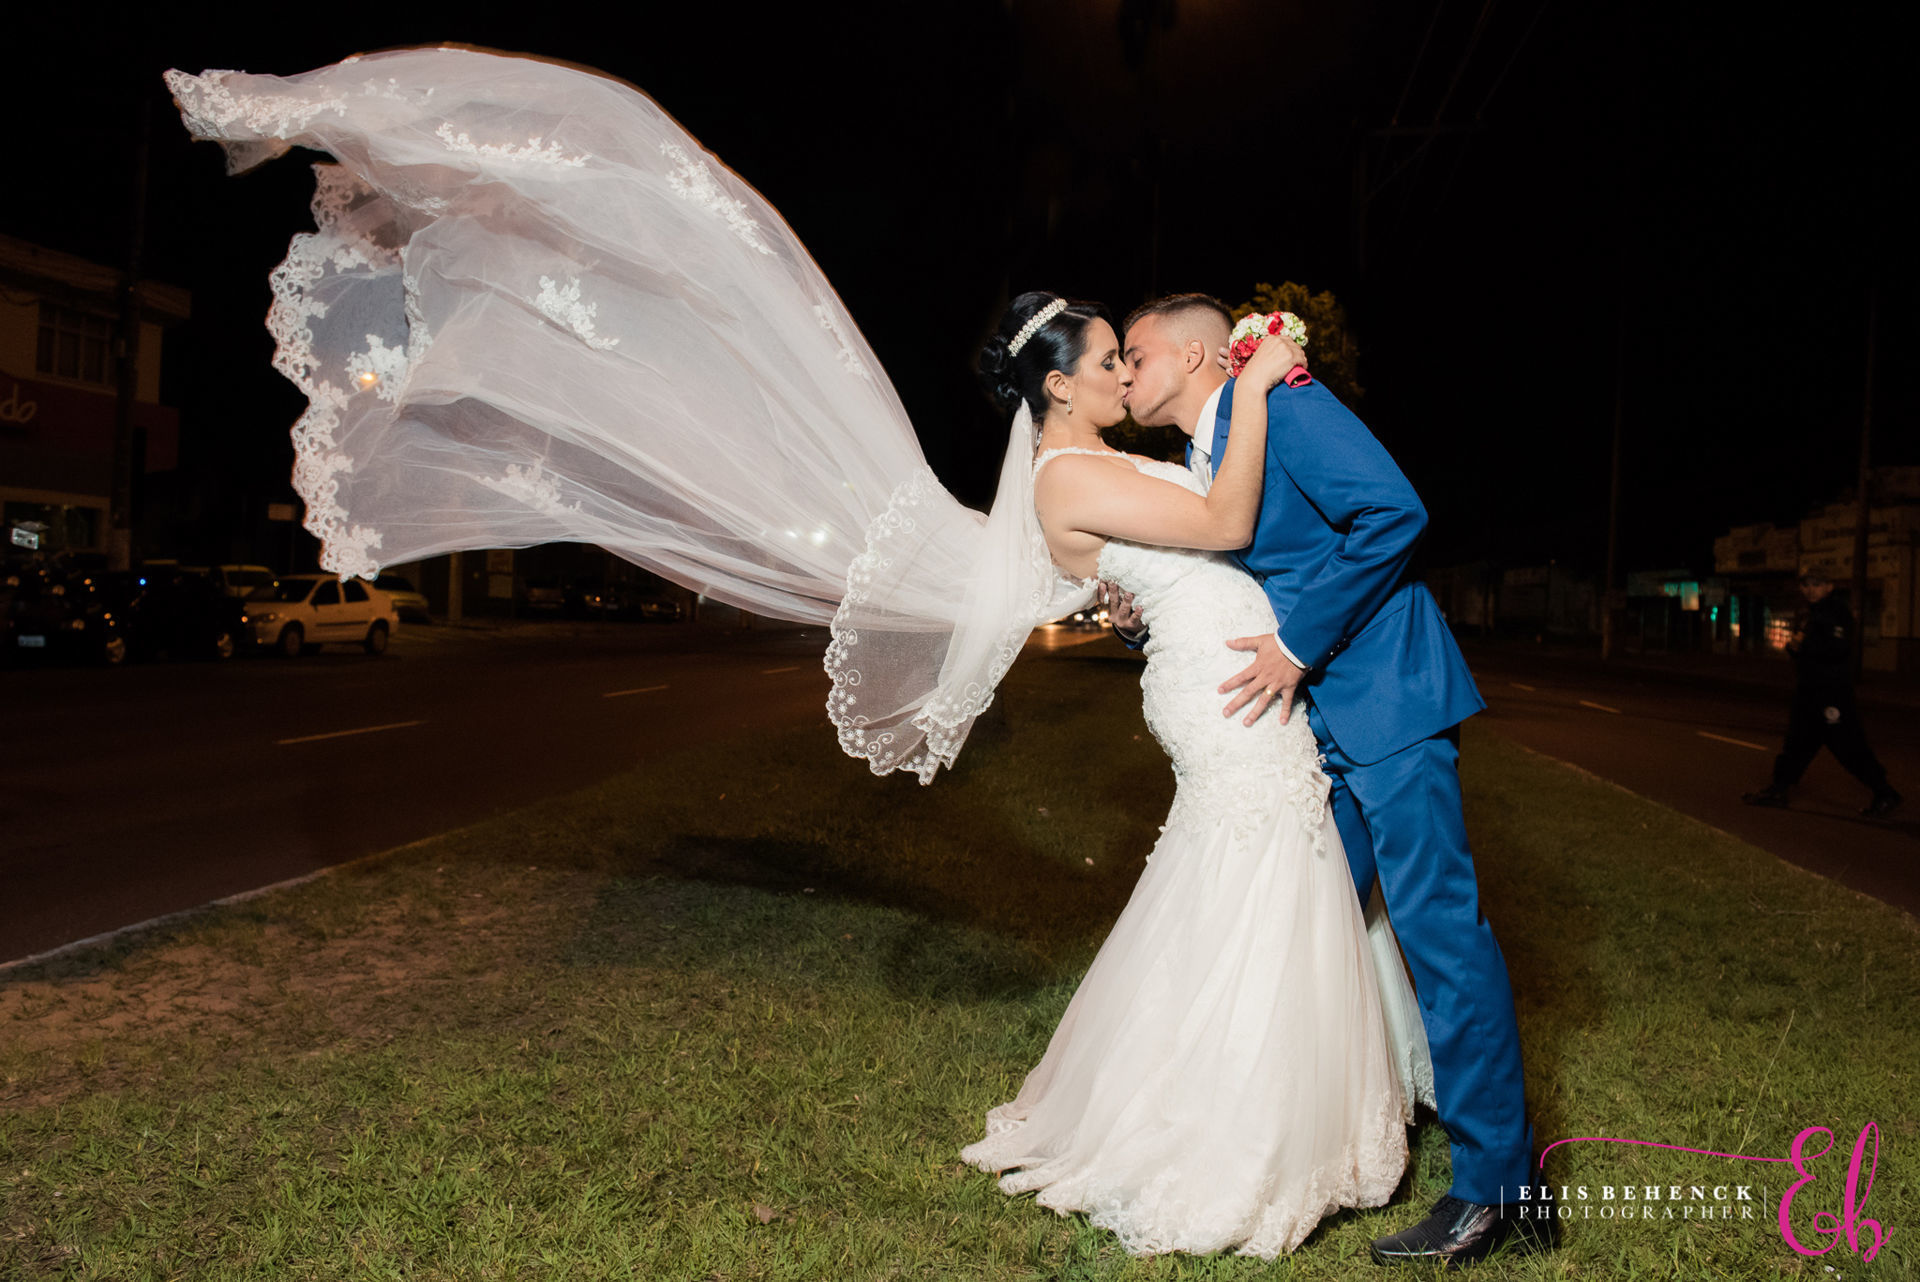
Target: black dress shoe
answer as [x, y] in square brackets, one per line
[1771, 795]
[1882, 804]
[1457, 1232]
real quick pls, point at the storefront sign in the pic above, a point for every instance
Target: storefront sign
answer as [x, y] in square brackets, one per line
[15, 410]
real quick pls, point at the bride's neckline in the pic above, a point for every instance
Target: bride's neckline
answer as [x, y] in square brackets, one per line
[1044, 455]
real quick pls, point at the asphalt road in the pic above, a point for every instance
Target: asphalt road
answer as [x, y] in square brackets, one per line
[134, 792]
[1695, 740]
[131, 793]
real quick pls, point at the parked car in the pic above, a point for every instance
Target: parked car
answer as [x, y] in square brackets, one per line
[238, 581]
[545, 596]
[300, 612]
[654, 608]
[177, 612]
[408, 601]
[592, 599]
[56, 612]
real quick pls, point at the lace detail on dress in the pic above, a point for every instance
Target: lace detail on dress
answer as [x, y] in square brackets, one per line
[537, 151]
[1267, 1220]
[1048, 456]
[692, 180]
[1194, 602]
[564, 308]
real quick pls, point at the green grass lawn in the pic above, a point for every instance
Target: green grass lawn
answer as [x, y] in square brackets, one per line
[733, 1016]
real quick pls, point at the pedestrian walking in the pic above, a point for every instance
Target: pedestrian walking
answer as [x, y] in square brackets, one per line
[1824, 713]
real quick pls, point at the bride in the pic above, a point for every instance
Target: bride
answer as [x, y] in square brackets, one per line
[1223, 1077]
[535, 310]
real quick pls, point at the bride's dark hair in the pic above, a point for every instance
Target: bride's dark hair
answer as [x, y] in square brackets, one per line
[1056, 345]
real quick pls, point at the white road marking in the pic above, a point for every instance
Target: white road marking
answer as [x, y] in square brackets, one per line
[341, 734]
[1518, 686]
[1740, 743]
[767, 672]
[615, 694]
[1588, 703]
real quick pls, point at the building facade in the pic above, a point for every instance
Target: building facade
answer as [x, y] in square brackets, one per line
[59, 392]
[1762, 562]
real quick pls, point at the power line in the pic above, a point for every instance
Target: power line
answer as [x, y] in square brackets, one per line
[1430, 132]
[1418, 58]
[1460, 68]
[1512, 58]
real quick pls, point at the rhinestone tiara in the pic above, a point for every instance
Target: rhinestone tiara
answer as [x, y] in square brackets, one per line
[1034, 322]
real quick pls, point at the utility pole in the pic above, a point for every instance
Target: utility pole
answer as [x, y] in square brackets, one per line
[126, 346]
[1863, 489]
[456, 587]
[1609, 637]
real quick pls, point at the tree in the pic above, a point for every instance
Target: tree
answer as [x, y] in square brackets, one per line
[1331, 351]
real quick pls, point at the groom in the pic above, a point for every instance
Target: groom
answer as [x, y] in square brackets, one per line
[1364, 649]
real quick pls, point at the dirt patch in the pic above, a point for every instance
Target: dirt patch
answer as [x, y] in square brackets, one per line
[329, 966]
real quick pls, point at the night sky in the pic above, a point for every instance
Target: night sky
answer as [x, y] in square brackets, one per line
[1737, 188]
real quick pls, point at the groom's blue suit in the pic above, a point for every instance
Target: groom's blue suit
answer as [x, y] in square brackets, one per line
[1386, 690]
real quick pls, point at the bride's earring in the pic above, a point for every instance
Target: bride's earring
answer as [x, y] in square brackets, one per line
[1069, 403]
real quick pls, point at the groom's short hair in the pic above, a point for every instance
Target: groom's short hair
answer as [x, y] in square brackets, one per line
[1175, 308]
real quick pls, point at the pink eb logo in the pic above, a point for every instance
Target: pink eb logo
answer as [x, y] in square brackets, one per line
[1825, 1223]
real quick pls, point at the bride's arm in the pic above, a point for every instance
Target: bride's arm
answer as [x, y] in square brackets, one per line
[1085, 495]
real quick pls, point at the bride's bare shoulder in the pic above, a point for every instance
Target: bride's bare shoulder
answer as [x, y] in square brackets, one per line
[1072, 469]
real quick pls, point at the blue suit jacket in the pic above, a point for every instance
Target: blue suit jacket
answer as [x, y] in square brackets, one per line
[1338, 525]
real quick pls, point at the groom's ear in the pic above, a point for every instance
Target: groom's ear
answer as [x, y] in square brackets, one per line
[1193, 355]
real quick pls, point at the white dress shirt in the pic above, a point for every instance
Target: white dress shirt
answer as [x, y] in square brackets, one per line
[1202, 466]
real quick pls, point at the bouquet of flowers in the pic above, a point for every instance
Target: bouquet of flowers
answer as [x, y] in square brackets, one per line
[1251, 329]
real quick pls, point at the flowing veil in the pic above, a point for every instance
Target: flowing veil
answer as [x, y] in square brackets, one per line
[534, 309]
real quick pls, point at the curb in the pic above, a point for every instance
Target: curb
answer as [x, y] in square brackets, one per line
[226, 901]
[1716, 829]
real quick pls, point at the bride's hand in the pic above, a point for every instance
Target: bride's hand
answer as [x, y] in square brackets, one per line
[1224, 356]
[1271, 362]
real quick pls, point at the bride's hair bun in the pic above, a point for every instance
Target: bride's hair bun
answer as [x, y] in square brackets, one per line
[996, 374]
[1009, 377]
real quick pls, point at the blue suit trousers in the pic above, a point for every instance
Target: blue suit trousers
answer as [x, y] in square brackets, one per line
[1401, 821]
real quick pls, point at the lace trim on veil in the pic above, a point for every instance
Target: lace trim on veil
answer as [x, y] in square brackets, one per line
[346, 547]
[1014, 587]
[859, 737]
[210, 107]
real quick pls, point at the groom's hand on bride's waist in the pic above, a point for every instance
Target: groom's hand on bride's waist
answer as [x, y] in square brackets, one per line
[1121, 612]
[1271, 678]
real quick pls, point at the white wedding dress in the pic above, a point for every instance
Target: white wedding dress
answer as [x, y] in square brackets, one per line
[1239, 1061]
